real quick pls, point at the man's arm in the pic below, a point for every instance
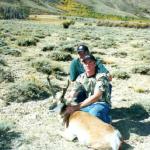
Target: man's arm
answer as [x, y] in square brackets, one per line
[73, 70]
[92, 99]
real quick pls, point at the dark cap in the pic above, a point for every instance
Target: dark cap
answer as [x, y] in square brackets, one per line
[82, 48]
[91, 57]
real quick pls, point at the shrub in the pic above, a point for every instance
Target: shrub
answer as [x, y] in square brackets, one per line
[141, 90]
[42, 66]
[2, 43]
[68, 49]
[97, 52]
[145, 56]
[40, 36]
[58, 73]
[3, 62]
[120, 54]
[6, 75]
[48, 48]
[145, 70]
[58, 56]
[108, 44]
[4, 127]
[26, 91]
[126, 24]
[28, 42]
[7, 135]
[121, 75]
[10, 51]
[66, 24]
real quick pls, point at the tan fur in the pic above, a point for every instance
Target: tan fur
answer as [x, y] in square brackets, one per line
[90, 131]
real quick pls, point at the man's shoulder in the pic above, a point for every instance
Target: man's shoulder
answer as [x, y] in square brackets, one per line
[75, 61]
[100, 66]
[81, 77]
[100, 76]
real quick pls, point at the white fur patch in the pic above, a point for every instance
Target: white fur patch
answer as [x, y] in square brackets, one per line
[115, 140]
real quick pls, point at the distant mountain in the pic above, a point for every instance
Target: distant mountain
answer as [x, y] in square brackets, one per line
[133, 8]
[90, 8]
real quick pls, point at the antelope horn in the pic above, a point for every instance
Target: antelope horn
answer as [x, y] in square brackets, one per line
[64, 92]
[51, 87]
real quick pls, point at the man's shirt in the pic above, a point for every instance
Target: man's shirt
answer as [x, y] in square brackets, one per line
[92, 84]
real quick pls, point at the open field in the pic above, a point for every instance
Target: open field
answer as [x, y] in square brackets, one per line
[31, 49]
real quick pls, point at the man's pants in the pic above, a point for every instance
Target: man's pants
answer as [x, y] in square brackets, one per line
[100, 110]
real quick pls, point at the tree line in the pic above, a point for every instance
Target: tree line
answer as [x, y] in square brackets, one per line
[13, 12]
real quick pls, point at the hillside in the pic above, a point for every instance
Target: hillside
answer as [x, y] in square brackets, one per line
[132, 8]
[86, 8]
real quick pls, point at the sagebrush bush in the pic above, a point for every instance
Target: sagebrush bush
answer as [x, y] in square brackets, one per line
[67, 48]
[126, 24]
[27, 42]
[42, 66]
[3, 62]
[6, 75]
[2, 43]
[27, 90]
[58, 71]
[108, 44]
[120, 54]
[140, 90]
[4, 127]
[48, 48]
[145, 56]
[66, 24]
[40, 36]
[98, 52]
[59, 56]
[121, 75]
[145, 70]
[10, 51]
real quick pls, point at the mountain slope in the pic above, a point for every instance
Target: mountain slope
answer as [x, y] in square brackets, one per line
[134, 8]
[87, 8]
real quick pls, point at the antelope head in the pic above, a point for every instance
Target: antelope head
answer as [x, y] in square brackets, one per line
[59, 102]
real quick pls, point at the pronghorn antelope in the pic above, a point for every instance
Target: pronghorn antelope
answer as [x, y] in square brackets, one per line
[89, 130]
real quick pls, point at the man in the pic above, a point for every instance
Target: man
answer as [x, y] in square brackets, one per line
[96, 88]
[76, 67]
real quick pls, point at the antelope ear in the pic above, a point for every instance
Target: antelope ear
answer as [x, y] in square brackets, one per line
[58, 108]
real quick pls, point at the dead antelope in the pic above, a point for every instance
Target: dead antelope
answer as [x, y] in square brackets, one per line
[89, 130]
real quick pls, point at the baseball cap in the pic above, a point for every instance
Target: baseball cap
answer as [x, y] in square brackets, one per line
[82, 48]
[91, 57]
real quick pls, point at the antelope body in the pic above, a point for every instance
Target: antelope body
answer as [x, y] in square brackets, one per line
[92, 132]
[88, 129]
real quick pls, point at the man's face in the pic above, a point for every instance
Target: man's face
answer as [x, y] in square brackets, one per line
[82, 54]
[90, 67]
